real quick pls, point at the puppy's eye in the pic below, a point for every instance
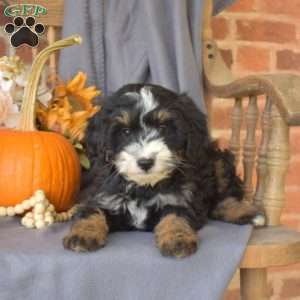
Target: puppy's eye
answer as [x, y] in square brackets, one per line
[126, 131]
[162, 128]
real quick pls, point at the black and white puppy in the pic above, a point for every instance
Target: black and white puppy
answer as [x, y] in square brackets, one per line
[154, 167]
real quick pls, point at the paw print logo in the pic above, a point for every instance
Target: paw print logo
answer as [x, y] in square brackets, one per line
[24, 31]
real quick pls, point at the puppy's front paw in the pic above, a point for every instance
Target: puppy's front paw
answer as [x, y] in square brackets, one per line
[178, 245]
[175, 237]
[87, 234]
[83, 241]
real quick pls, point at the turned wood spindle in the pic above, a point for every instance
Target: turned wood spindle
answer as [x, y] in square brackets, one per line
[236, 119]
[278, 156]
[250, 146]
[51, 37]
[262, 156]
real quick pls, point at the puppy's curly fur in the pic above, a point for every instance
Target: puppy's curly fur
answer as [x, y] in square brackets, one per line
[154, 167]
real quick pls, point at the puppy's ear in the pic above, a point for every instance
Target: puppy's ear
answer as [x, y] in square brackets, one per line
[198, 142]
[97, 144]
[96, 136]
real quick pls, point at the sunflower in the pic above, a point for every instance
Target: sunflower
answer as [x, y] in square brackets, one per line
[70, 109]
[80, 96]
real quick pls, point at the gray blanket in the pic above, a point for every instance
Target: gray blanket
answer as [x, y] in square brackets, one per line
[34, 266]
[157, 41]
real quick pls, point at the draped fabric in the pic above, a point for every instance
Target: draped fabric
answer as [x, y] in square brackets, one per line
[131, 41]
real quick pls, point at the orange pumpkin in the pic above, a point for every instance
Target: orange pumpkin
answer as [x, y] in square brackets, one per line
[31, 159]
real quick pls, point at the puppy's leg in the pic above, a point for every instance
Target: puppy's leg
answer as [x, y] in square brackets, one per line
[88, 233]
[175, 236]
[238, 212]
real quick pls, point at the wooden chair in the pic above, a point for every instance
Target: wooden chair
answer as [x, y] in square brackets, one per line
[273, 245]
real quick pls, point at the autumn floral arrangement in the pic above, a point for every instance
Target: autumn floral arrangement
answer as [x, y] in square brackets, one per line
[13, 79]
[41, 139]
[65, 109]
[69, 111]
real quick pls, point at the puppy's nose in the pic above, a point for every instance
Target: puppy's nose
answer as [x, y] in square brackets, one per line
[145, 163]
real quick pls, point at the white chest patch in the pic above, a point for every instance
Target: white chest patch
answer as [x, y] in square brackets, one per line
[138, 214]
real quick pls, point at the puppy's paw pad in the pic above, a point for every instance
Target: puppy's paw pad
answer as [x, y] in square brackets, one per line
[259, 220]
[83, 243]
[178, 246]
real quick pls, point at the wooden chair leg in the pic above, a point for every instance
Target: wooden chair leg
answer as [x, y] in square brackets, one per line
[254, 284]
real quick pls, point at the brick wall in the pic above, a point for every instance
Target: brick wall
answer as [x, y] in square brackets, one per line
[259, 36]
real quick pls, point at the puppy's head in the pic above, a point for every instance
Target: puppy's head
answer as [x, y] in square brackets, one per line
[149, 132]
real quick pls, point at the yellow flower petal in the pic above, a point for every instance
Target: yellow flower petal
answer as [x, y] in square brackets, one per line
[77, 83]
[71, 108]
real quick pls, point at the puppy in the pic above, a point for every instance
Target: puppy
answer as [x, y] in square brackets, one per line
[155, 168]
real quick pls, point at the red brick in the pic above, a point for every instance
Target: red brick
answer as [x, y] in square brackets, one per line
[293, 176]
[290, 289]
[42, 44]
[291, 7]
[288, 60]
[220, 28]
[25, 52]
[242, 6]
[266, 31]
[2, 47]
[253, 59]
[292, 199]
[3, 19]
[221, 113]
[290, 223]
[295, 141]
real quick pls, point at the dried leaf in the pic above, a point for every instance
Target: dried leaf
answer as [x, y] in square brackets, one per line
[78, 146]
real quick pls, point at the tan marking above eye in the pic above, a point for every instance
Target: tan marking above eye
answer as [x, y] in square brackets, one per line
[123, 118]
[163, 115]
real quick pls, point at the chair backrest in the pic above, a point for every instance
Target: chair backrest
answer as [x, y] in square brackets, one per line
[271, 155]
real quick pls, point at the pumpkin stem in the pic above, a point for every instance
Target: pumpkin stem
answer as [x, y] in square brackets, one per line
[27, 121]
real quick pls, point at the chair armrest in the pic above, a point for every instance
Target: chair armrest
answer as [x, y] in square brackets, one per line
[283, 89]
